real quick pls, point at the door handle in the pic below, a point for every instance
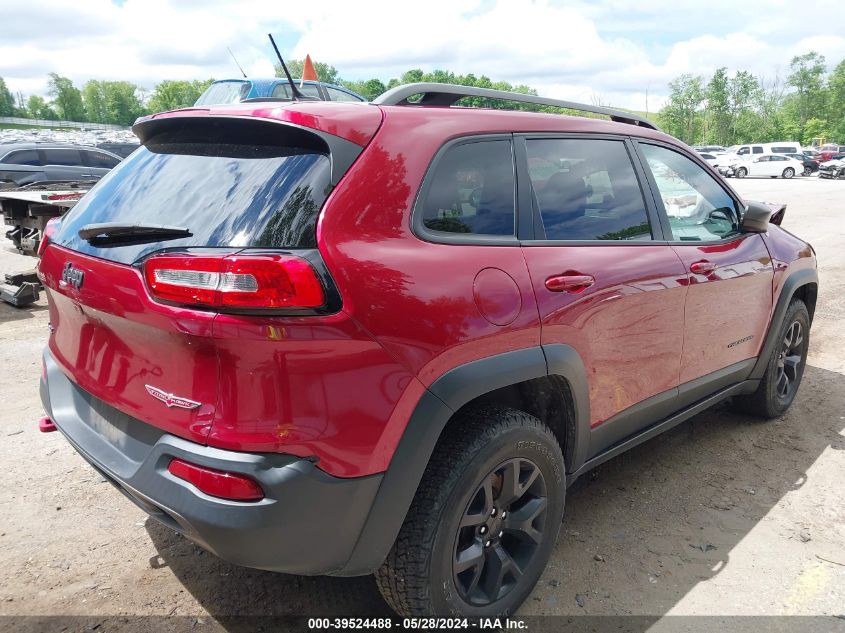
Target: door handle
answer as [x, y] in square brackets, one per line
[703, 267]
[569, 283]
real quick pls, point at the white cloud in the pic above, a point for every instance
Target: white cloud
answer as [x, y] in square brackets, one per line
[609, 50]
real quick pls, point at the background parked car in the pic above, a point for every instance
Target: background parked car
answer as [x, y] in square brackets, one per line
[24, 163]
[710, 149]
[829, 152]
[236, 90]
[834, 168]
[771, 165]
[714, 160]
[811, 165]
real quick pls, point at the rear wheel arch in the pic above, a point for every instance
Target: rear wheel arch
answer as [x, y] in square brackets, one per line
[548, 382]
[801, 284]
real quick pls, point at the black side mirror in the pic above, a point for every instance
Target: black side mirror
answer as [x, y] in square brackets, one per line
[756, 218]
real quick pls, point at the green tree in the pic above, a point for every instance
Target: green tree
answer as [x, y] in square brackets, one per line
[807, 77]
[325, 72]
[718, 108]
[836, 94]
[171, 94]
[122, 103]
[67, 100]
[38, 108]
[681, 115]
[94, 101]
[7, 101]
[111, 102]
[369, 89]
[743, 93]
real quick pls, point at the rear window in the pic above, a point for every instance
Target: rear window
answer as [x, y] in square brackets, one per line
[226, 195]
[221, 92]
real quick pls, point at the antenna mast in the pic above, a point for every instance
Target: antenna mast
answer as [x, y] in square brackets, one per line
[235, 59]
[295, 93]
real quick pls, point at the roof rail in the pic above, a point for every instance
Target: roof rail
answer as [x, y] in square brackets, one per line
[434, 94]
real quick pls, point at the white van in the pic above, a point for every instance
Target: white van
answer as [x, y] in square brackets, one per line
[780, 147]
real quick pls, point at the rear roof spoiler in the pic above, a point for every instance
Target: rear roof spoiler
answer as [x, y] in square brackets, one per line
[434, 94]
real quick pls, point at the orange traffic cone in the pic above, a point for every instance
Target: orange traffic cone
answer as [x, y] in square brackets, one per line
[308, 72]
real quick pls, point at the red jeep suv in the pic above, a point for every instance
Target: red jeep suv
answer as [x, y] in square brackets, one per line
[330, 338]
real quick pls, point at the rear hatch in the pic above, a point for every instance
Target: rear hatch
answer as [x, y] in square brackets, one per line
[258, 186]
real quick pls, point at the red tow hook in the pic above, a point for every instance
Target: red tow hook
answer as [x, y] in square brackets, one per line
[46, 425]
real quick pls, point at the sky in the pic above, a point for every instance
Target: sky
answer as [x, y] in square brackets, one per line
[602, 51]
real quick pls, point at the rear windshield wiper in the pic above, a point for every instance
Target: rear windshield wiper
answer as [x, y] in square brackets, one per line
[119, 232]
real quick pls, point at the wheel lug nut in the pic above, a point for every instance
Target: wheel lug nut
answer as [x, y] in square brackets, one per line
[500, 533]
[487, 544]
[493, 512]
[483, 529]
[504, 514]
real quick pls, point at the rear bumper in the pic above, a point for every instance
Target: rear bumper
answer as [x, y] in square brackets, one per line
[308, 523]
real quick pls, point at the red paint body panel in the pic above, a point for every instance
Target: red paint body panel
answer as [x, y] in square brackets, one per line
[112, 340]
[729, 304]
[628, 327]
[308, 386]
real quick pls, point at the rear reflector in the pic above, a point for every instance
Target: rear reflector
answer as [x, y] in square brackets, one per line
[236, 281]
[217, 483]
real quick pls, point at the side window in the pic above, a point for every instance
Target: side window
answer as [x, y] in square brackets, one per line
[22, 157]
[764, 159]
[62, 157]
[757, 149]
[742, 150]
[282, 91]
[99, 160]
[697, 206]
[472, 190]
[587, 190]
[341, 95]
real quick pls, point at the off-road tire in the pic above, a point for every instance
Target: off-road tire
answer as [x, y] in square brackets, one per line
[417, 577]
[765, 402]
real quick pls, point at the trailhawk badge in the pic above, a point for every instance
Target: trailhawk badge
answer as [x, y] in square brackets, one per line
[170, 400]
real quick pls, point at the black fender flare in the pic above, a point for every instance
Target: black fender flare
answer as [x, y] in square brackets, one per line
[437, 405]
[793, 282]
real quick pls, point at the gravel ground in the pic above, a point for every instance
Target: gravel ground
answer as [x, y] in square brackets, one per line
[724, 515]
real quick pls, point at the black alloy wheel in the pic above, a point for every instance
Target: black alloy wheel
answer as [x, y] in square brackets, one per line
[789, 361]
[500, 531]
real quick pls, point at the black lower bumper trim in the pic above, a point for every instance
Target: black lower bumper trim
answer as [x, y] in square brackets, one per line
[308, 523]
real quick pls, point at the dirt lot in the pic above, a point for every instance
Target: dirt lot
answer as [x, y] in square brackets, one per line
[722, 516]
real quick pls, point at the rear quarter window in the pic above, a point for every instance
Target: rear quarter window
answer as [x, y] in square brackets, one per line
[471, 190]
[100, 160]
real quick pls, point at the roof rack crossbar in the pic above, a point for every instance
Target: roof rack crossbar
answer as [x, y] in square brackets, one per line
[434, 94]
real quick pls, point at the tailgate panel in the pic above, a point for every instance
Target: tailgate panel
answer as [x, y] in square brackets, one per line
[111, 339]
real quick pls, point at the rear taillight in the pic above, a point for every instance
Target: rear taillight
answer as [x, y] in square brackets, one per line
[235, 281]
[49, 230]
[217, 483]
